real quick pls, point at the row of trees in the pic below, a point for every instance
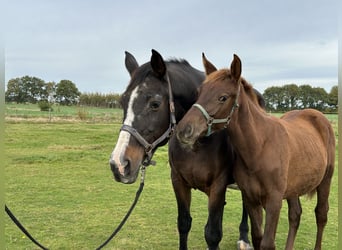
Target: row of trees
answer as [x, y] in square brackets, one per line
[278, 99]
[291, 96]
[32, 90]
[29, 89]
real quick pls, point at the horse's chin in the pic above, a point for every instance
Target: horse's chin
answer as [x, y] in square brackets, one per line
[127, 179]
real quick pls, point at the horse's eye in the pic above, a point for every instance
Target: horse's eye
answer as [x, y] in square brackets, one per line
[154, 105]
[223, 98]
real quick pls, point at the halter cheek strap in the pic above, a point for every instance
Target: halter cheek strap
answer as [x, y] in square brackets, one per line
[211, 120]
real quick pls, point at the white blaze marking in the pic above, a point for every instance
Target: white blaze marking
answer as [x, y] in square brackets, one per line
[124, 136]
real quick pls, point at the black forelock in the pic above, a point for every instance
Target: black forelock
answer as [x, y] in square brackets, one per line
[139, 76]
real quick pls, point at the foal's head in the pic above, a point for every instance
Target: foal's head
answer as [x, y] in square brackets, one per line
[217, 102]
[146, 109]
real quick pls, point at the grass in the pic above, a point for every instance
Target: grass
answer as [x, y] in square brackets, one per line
[59, 185]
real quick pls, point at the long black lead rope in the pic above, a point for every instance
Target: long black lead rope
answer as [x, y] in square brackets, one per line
[22, 228]
[137, 195]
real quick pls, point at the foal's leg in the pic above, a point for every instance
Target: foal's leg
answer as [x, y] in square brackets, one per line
[272, 211]
[213, 228]
[255, 214]
[183, 197]
[294, 213]
[322, 207]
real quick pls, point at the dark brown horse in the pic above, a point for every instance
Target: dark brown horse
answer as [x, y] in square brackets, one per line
[148, 120]
[276, 158]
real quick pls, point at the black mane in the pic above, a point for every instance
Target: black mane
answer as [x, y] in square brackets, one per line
[179, 61]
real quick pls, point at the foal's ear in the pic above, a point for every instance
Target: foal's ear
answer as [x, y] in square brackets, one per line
[131, 63]
[208, 66]
[158, 64]
[235, 67]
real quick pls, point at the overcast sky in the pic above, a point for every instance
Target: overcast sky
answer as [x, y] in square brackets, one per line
[279, 42]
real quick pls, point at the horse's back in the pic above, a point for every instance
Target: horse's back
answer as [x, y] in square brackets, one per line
[310, 122]
[312, 146]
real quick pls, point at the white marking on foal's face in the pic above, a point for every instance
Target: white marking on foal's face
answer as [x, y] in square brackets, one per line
[124, 137]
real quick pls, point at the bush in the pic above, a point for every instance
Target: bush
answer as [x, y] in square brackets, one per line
[45, 106]
[82, 114]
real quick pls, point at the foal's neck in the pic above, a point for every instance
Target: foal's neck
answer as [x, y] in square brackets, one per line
[246, 126]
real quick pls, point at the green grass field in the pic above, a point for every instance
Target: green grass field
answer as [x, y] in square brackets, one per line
[32, 113]
[59, 185]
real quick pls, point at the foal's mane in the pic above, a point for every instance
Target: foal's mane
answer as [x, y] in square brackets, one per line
[249, 90]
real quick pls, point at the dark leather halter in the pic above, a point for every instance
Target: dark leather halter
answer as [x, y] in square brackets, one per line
[149, 147]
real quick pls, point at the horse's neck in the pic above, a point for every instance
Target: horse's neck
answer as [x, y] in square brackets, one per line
[185, 99]
[181, 109]
[245, 127]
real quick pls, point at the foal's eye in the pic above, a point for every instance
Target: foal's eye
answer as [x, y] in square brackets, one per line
[154, 105]
[223, 98]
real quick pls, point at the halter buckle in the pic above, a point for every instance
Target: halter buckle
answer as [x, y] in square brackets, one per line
[148, 149]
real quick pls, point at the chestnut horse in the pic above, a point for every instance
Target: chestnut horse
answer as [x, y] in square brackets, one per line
[148, 121]
[277, 158]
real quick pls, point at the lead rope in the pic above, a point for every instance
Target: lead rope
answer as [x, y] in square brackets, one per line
[137, 195]
[22, 228]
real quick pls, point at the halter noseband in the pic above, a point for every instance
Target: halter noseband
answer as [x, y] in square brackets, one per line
[211, 120]
[150, 146]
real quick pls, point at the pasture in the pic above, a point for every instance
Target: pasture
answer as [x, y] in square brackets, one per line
[59, 185]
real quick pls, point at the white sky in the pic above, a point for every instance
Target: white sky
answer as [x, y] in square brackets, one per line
[279, 42]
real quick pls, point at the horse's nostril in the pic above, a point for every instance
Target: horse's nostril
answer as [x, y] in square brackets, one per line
[127, 167]
[188, 131]
[122, 168]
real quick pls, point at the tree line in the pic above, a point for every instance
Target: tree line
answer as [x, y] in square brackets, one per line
[29, 89]
[292, 96]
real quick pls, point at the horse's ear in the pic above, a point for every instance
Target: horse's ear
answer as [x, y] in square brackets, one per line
[208, 66]
[235, 67]
[131, 63]
[158, 64]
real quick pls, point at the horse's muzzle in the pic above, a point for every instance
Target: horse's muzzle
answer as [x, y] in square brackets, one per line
[122, 173]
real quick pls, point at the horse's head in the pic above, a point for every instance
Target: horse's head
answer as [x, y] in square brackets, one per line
[218, 99]
[146, 117]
